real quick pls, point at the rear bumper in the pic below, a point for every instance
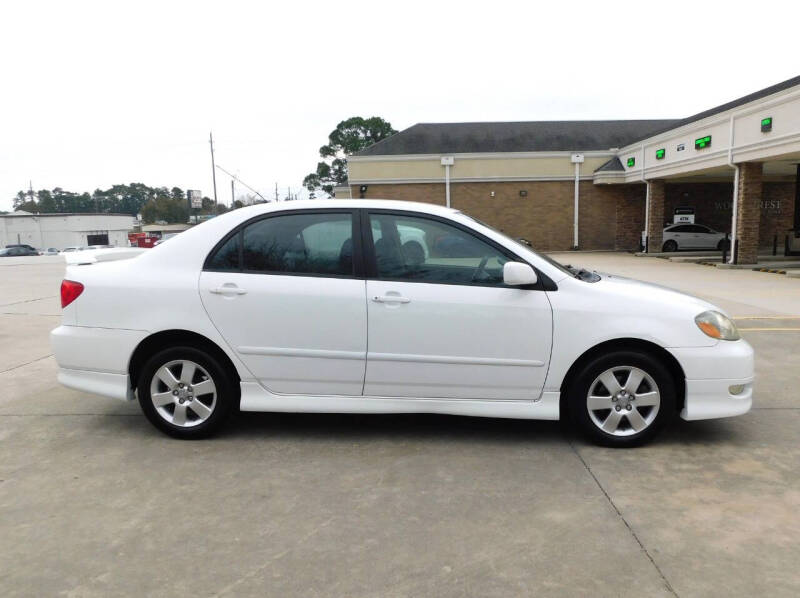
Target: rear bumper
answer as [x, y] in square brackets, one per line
[95, 359]
[116, 386]
[712, 373]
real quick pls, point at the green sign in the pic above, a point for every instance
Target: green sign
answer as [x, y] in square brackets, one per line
[631, 162]
[703, 142]
[766, 124]
[660, 153]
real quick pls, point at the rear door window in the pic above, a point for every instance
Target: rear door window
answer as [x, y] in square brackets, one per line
[302, 243]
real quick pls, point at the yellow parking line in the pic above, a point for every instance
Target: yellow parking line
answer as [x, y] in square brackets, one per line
[766, 317]
[770, 329]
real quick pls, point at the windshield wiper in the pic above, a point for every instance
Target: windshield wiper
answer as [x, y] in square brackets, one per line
[583, 274]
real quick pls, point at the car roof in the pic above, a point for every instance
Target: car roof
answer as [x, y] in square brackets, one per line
[379, 204]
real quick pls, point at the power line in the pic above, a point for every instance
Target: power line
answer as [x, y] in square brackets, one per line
[240, 181]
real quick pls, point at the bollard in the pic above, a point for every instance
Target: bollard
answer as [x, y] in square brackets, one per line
[725, 247]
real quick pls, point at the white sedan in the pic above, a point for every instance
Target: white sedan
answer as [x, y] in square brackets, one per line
[693, 236]
[365, 306]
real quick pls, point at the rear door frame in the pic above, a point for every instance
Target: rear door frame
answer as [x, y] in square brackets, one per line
[253, 354]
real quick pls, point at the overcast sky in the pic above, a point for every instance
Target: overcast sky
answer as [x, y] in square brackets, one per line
[94, 94]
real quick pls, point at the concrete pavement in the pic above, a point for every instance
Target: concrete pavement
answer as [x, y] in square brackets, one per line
[95, 502]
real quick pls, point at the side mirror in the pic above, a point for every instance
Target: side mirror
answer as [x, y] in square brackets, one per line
[517, 274]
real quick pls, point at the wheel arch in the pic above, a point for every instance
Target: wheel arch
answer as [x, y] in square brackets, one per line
[668, 241]
[634, 344]
[171, 338]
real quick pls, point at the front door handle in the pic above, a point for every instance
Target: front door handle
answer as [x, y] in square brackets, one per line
[228, 290]
[390, 299]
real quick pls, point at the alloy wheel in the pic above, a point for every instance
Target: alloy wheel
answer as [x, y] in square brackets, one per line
[623, 401]
[183, 393]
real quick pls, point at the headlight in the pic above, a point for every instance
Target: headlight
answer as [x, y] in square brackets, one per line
[717, 325]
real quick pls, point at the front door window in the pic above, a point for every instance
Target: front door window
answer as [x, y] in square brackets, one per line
[418, 249]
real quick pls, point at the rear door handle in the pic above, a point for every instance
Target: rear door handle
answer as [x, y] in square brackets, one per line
[226, 290]
[390, 299]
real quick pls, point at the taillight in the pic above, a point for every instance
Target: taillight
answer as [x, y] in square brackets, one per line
[70, 290]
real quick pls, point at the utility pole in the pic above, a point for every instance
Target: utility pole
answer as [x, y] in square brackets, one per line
[213, 170]
[276, 191]
[233, 197]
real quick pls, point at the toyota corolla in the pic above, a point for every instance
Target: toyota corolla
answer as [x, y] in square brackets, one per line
[366, 306]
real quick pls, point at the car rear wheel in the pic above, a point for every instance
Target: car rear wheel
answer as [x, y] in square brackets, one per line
[670, 246]
[724, 245]
[622, 399]
[185, 392]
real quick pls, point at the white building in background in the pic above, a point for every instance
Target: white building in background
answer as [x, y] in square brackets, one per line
[65, 230]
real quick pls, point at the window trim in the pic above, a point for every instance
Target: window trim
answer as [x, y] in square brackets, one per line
[358, 254]
[371, 266]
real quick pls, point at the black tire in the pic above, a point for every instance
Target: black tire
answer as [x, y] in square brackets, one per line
[225, 400]
[670, 246]
[723, 245]
[578, 392]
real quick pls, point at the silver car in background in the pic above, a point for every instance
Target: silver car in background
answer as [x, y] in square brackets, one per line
[692, 236]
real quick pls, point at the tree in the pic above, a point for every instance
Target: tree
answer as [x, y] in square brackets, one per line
[47, 205]
[349, 136]
[164, 203]
[27, 206]
[20, 199]
[164, 207]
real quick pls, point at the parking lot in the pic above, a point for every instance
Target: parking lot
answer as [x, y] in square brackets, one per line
[95, 502]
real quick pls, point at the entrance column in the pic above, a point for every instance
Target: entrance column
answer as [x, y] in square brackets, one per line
[655, 215]
[748, 212]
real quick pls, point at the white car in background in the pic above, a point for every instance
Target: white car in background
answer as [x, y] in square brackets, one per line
[71, 249]
[265, 308]
[693, 236]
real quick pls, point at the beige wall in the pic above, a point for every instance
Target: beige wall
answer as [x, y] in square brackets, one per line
[468, 167]
[341, 192]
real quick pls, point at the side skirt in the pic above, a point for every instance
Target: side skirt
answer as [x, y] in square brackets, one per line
[255, 398]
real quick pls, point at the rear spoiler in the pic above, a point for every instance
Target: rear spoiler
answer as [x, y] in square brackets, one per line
[93, 256]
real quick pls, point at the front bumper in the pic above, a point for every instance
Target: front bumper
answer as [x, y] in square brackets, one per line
[711, 374]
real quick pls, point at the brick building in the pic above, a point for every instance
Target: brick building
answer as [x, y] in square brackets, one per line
[599, 184]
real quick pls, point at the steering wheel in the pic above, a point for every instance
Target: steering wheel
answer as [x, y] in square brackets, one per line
[479, 270]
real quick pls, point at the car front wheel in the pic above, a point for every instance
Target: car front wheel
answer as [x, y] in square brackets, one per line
[185, 392]
[670, 246]
[622, 399]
